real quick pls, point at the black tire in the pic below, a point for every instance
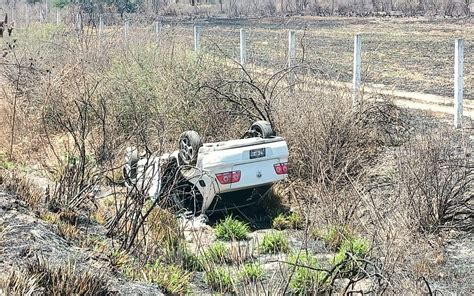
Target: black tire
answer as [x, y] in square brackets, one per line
[189, 144]
[186, 198]
[262, 129]
[130, 167]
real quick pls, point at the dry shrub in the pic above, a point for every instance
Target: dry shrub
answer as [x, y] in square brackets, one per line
[331, 145]
[68, 231]
[164, 228]
[330, 141]
[435, 182]
[19, 283]
[17, 183]
[39, 277]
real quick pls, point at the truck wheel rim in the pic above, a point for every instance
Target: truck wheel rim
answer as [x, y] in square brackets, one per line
[186, 150]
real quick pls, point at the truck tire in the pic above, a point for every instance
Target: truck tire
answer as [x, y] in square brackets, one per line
[130, 167]
[189, 144]
[262, 129]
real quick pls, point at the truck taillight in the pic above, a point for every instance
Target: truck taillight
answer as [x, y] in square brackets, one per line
[281, 168]
[229, 177]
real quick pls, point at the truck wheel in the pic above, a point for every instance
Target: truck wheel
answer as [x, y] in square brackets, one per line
[262, 129]
[185, 198]
[189, 144]
[130, 167]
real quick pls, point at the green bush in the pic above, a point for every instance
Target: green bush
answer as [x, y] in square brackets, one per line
[251, 272]
[336, 235]
[280, 222]
[274, 242]
[216, 253]
[306, 281]
[172, 278]
[357, 247]
[293, 221]
[220, 279]
[232, 229]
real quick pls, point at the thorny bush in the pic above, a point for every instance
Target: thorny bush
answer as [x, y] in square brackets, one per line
[436, 181]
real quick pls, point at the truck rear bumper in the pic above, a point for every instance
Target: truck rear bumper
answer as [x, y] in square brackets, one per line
[239, 199]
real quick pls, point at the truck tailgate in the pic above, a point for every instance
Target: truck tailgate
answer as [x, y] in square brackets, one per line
[241, 155]
[256, 173]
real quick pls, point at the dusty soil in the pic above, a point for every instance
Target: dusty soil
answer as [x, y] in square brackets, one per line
[459, 265]
[23, 236]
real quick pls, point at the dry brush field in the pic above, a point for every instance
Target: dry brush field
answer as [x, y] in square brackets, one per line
[379, 198]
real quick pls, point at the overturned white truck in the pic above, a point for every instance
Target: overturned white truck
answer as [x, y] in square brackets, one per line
[212, 176]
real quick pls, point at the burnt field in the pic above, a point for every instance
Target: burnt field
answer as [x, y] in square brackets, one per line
[414, 55]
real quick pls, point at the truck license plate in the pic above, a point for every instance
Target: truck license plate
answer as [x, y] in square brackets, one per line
[257, 153]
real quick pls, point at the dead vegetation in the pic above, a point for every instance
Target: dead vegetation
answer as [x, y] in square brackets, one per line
[92, 104]
[39, 277]
[435, 182]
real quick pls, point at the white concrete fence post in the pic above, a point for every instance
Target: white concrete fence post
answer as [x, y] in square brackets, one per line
[157, 28]
[291, 48]
[125, 30]
[356, 81]
[243, 47]
[291, 59]
[101, 25]
[458, 82]
[197, 38]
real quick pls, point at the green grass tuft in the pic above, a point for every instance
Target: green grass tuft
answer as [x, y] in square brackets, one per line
[357, 247]
[307, 281]
[295, 220]
[274, 242]
[292, 221]
[251, 272]
[220, 279]
[280, 222]
[172, 278]
[216, 253]
[336, 235]
[232, 229]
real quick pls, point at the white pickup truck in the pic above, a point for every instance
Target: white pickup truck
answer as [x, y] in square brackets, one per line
[212, 176]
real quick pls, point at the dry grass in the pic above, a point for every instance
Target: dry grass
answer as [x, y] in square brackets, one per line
[39, 277]
[17, 182]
